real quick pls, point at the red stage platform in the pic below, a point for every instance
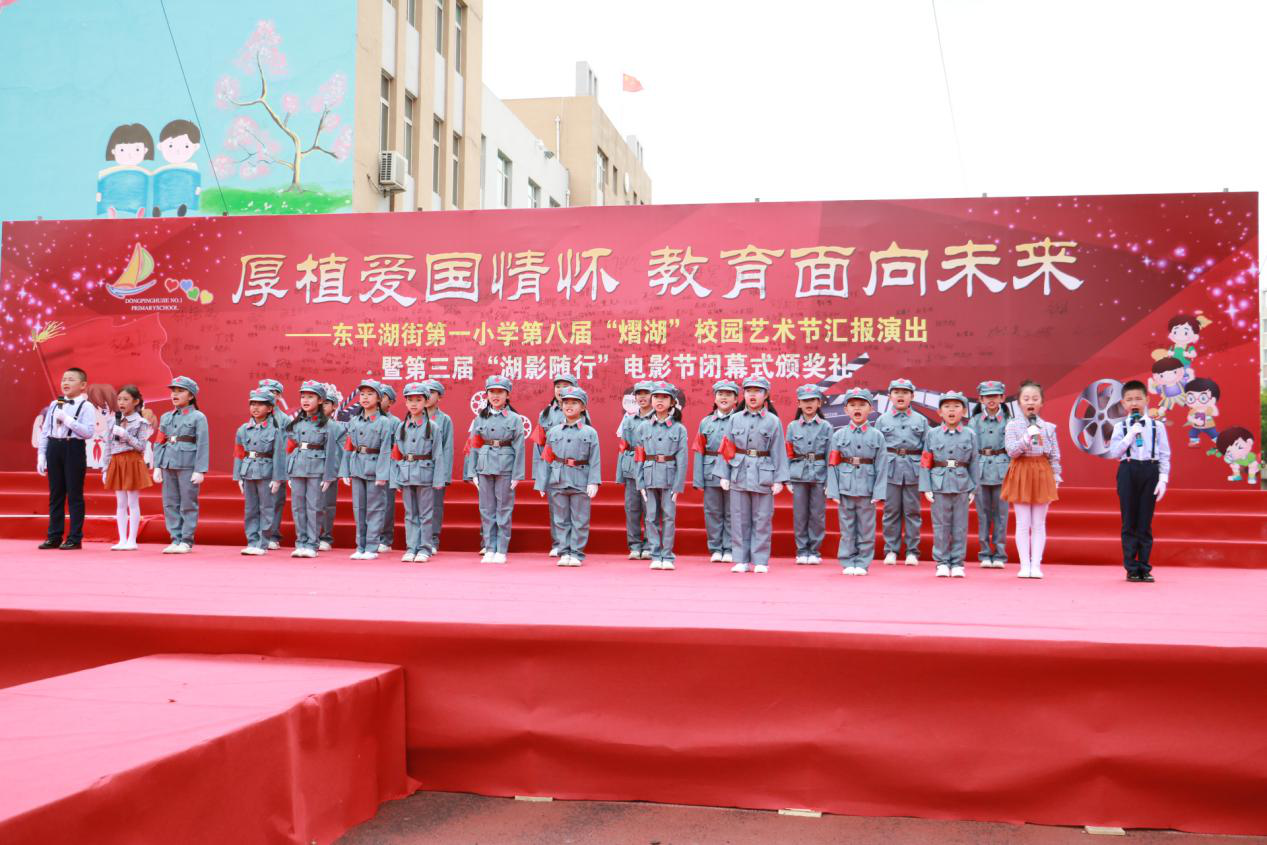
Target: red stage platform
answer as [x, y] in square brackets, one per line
[1080, 699]
[1221, 527]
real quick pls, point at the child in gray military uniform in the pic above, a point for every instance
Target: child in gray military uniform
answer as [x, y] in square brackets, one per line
[661, 454]
[387, 398]
[990, 424]
[330, 499]
[258, 469]
[754, 471]
[550, 416]
[808, 441]
[712, 430]
[273, 532]
[312, 466]
[628, 470]
[949, 470]
[444, 434]
[181, 455]
[903, 431]
[572, 472]
[857, 477]
[365, 466]
[495, 465]
[420, 459]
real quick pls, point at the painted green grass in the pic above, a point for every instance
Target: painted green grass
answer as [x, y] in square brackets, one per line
[274, 201]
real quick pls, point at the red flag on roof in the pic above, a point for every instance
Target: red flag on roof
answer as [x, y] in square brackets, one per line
[630, 84]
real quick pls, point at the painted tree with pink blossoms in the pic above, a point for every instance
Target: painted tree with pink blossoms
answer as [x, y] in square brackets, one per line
[250, 146]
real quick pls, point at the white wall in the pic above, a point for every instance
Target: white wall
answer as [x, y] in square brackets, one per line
[506, 133]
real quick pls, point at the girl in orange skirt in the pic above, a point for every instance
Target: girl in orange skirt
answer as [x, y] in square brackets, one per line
[1032, 478]
[124, 471]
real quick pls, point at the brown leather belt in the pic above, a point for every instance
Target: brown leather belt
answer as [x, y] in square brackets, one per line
[497, 442]
[904, 451]
[412, 458]
[951, 464]
[365, 450]
[809, 456]
[660, 459]
[183, 438]
[856, 461]
[714, 454]
[573, 462]
[988, 452]
[753, 453]
[312, 447]
[259, 454]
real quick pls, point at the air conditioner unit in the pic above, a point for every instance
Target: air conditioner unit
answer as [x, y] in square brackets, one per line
[391, 171]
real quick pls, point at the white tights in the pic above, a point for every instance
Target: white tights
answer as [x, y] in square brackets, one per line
[1031, 534]
[127, 515]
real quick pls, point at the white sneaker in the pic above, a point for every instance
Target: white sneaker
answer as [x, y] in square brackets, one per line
[1023, 572]
[119, 547]
[487, 557]
[849, 570]
[273, 545]
[715, 557]
[890, 559]
[813, 560]
[634, 554]
[298, 553]
[956, 572]
[500, 557]
[739, 567]
[760, 569]
[357, 556]
[554, 551]
[130, 546]
[1035, 570]
[383, 547]
[421, 557]
[646, 554]
[171, 549]
[257, 551]
[801, 559]
[183, 548]
[483, 551]
[943, 571]
[858, 570]
[564, 560]
[911, 559]
[655, 564]
[249, 550]
[369, 556]
[727, 557]
[407, 557]
[323, 547]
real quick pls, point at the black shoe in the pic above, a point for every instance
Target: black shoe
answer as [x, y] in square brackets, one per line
[50, 544]
[69, 545]
[1147, 577]
[1132, 576]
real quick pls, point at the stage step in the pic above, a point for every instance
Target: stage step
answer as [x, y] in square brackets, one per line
[201, 749]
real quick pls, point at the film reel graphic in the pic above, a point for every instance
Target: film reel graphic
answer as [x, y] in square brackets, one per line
[1094, 413]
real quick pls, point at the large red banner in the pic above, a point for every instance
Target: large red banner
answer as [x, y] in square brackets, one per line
[1079, 293]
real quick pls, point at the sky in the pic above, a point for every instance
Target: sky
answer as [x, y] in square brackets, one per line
[833, 99]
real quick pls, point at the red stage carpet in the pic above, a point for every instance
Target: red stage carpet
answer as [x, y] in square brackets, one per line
[199, 749]
[1080, 699]
[1223, 527]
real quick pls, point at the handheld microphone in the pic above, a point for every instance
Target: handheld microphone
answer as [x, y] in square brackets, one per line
[1135, 418]
[1033, 421]
[61, 400]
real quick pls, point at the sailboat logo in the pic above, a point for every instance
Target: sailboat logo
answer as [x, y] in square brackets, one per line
[133, 279]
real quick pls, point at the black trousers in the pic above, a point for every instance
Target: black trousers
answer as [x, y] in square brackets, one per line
[67, 462]
[1136, 481]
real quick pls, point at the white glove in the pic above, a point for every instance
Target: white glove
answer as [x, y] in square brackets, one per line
[241, 487]
[543, 493]
[347, 482]
[439, 486]
[325, 485]
[591, 490]
[877, 501]
[725, 484]
[1136, 428]
[274, 486]
[475, 479]
[776, 488]
[928, 496]
[1160, 489]
[290, 485]
[41, 464]
[514, 484]
[119, 431]
[673, 498]
[158, 476]
[196, 478]
[971, 497]
[644, 494]
[376, 483]
[64, 417]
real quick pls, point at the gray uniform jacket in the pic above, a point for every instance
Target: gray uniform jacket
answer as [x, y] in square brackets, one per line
[367, 447]
[810, 444]
[990, 433]
[665, 446]
[258, 452]
[576, 463]
[444, 437]
[183, 442]
[626, 466]
[313, 452]
[424, 461]
[903, 431]
[752, 432]
[713, 428]
[506, 427]
[854, 478]
[958, 445]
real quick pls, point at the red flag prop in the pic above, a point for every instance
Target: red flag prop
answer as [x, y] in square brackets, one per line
[926, 460]
[547, 454]
[475, 441]
[130, 350]
[630, 84]
[539, 436]
[834, 458]
[239, 451]
[624, 446]
[397, 455]
[727, 449]
[347, 445]
[791, 453]
[640, 454]
[701, 443]
[291, 446]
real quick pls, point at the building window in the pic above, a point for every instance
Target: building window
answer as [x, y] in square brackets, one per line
[409, 133]
[600, 179]
[483, 168]
[534, 194]
[554, 203]
[385, 112]
[436, 128]
[440, 27]
[411, 12]
[615, 181]
[456, 190]
[504, 168]
[459, 49]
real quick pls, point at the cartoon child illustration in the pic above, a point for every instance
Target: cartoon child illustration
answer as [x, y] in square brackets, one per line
[1167, 382]
[101, 396]
[1235, 444]
[123, 187]
[1201, 395]
[1184, 330]
[177, 184]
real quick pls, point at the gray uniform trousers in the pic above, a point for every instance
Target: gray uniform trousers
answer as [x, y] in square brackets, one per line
[180, 504]
[950, 528]
[751, 522]
[273, 531]
[388, 535]
[901, 507]
[497, 501]
[369, 501]
[635, 513]
[437, 516]
[259, 511]
[306, 499]
[809, 516]
[661, 522]
[857, 531]
[419, 512]
[717, 519]
[992, 512]
[329, 504]
[570, 512]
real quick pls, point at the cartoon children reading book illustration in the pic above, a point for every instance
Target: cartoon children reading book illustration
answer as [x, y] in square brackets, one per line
[123, 187]
[178, 183]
